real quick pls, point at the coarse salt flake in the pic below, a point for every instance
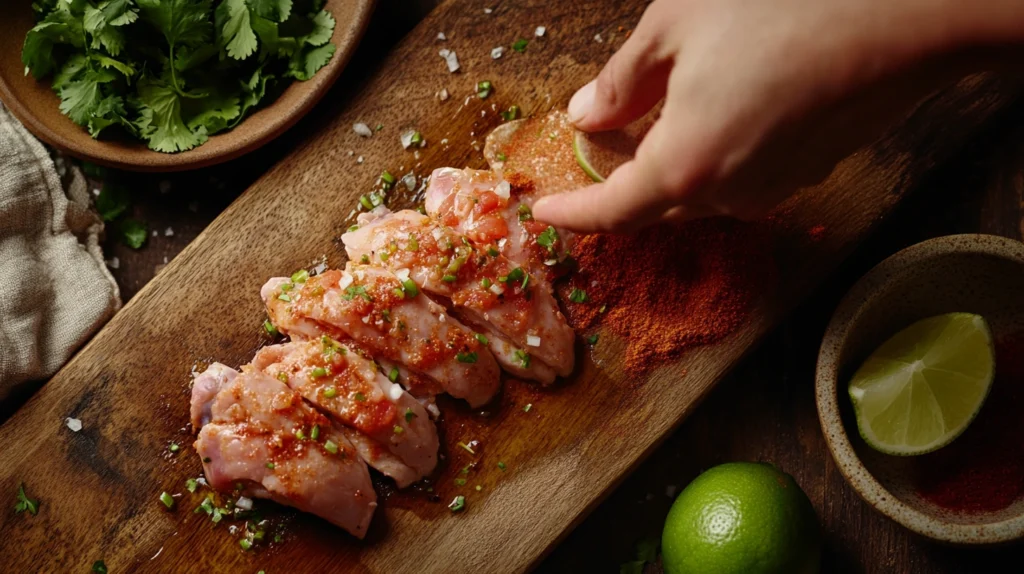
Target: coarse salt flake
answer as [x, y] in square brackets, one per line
[497, 52]
[359, 159]
[362, 129]
[74, 424]
[598, 38]
[443, 94]
[113, 263]
[533, 340]
[169, 232]
[488, 10]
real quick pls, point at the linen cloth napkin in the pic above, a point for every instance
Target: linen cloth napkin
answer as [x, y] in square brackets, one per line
[57, 290]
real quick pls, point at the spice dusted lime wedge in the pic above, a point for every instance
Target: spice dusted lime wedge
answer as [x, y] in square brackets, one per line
[924, 386]
[601, 152]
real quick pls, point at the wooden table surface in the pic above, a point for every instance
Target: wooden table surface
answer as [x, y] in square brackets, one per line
[764, 411]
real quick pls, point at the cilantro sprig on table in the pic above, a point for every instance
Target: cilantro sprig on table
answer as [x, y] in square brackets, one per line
[173, 72]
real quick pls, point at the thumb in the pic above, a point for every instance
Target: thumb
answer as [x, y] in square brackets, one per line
[629, 85]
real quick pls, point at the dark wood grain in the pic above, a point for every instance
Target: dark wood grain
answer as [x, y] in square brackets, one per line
[130, 385]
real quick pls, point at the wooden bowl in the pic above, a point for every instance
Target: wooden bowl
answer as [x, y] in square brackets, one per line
[36, 105]
[973, 273]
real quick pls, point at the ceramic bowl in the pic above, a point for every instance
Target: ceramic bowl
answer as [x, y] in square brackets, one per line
[973, 273]
[36, 105]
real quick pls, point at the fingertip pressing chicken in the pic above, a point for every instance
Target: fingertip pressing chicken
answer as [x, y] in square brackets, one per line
[339, 381]
[257, 433]
[392, 320]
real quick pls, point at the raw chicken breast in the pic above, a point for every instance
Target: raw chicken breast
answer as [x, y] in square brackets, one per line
[491, 211]
[256, 431]
[484, 287]
[391, 320]
[338, 381]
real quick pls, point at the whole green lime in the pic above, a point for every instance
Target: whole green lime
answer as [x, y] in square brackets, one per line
[742, 517]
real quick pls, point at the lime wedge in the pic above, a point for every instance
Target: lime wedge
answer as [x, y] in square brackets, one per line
[924, 386]
[601, 152]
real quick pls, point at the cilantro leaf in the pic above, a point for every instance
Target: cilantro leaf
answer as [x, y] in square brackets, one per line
[187, 59]
[182, 22]
[273, 10]
[272, 44]
[161, 123]
[234, 31]
[103, 36]
[323, 29]
[26, 503]
[308, 61]
[252, 93]
[72, 70]
[133, 233]
[79, 98]
[106, 62]
[58, 27]
[119, 12]
[112, 201]
[214, 113]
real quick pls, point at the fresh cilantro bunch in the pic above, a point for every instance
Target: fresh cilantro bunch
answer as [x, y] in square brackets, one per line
[173, 72]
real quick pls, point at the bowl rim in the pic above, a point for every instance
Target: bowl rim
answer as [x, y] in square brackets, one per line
[849, 313]
[348, 38]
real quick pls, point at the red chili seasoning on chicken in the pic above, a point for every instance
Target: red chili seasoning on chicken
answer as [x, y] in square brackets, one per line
[669, 287]
[983, 469]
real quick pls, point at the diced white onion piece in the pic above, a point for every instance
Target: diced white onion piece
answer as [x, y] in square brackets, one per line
[244, 503]
[366, 319]
[550, 262]
[533, 340]
[74, 424]
[402, 274]
[395, 393]
[496, 289]
[360, 274]
[409, 180]
[497, 52]
[320, 268]
[540, 31]
[362, 129]
[441, 318]
[201, 481]
[232, 530]
[346, 280]
[441, 36]
[502, 242]
[437, 234]
[406, 137]
[433, 410]
[443, 94]
[503, 190]
[451, 59]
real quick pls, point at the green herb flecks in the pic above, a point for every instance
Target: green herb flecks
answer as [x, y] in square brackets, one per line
[25, 503]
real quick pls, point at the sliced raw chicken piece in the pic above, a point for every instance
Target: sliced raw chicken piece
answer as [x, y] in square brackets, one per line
[391, 320]
[257, 432]
[336, 379]
[484, 288]
[491, 211]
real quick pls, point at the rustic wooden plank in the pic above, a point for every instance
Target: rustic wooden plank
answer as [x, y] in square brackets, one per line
[130, 384]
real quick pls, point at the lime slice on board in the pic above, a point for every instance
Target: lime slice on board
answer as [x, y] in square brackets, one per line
[924, 386]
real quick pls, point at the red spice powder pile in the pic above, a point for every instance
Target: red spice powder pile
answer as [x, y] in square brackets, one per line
[983, 469]
[670, 287]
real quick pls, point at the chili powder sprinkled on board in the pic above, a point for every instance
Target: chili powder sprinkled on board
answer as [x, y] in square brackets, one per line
[982, 470]
[670, 287]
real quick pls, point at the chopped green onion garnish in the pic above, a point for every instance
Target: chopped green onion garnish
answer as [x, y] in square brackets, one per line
[578, 296]
[479, 488]
[524, 212]
[99, 567]
[191, 484]
[511, 114]
[520, 45]
[413, 244]
[592, 339]
[245, 543]
[365, 202]
[353, 291]
[331, 447]
[26, 503]
[287, 287]
[393, 375]
[387, 178]
[398, 292]
[482, 338]
[469, 358]
[409, 415]
[502, 466]
[458, 504]
[483, 89]
[379, 127]
[174, 447]
[318, 372]
[315, 433]
[603, 309]
[300, 276]
[360, 397]
[270, 465]
[376, 199]
[365, 259]
[284, 297]
[502, 156]
[493, 252]
[460, 482]
[468, 449]
[270, 328]
[527, 408]
[352, 228]
[416, 138]
[300, 434]
[513, 275]
[523, 357]
[410, 288]
[526, 281]
[330, 392]
[164, 498]
[384, 255]
[283, 377]
[386, 314]
[449, 279]
[485, 283]
[398, 429]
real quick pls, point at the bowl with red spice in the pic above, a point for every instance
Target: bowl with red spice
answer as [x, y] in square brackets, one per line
[972, 490]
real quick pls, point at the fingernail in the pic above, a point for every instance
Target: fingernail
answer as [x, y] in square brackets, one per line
[582, 101]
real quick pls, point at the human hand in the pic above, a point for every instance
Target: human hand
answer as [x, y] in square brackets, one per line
[762, 97]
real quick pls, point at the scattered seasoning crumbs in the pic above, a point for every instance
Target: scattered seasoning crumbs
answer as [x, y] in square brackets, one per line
[99, 567]
[458, 503]
[206, 459]
[501, 465]
[166, 499]
[191, 484]
[527, 408]
[592, 339]
[520, 45]
[488, 10]
[467, 448]
[25, 503]
[74, 424]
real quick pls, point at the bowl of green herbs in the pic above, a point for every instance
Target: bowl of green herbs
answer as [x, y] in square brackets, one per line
[168, 85]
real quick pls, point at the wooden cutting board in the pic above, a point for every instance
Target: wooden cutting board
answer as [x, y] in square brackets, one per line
[130, 385]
